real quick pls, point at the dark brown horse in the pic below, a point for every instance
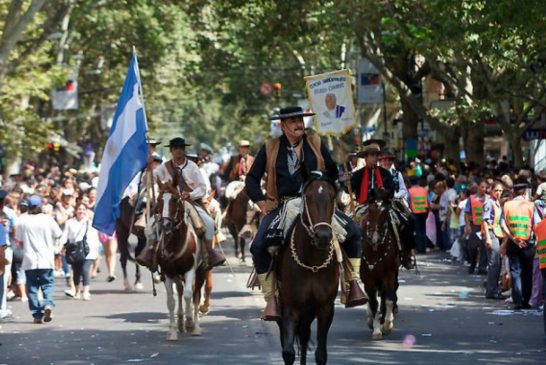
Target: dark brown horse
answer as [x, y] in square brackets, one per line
[235, 220]
[123, 224]
[178, 258]
[379, 268]
[308, 273]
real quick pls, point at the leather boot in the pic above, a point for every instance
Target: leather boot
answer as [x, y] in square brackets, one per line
[214, 258]
[268, 283]
[356, 296]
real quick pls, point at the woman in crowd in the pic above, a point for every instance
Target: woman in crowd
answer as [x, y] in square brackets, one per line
[75, 230]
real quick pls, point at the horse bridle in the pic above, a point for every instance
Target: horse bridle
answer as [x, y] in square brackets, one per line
[311, 232]
[311, 228]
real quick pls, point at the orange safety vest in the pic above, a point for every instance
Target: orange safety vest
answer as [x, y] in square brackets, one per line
[497, 229]
[476, 209]
[519, 217]
[418, 199]
[540, 232]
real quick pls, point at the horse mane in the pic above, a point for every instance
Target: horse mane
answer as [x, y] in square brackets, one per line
[320, 175]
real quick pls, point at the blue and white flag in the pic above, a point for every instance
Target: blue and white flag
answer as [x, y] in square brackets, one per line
[125, 152]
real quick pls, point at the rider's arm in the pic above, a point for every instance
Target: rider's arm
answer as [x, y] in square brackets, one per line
[195, 180]
[254, 177]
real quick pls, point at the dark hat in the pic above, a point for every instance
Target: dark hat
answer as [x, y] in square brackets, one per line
[520, 184]
[35, 201]
[371, 145]
[177, 142]
[387, 155]
[291, 112]
[153, 142]
[3, 194]
[414, 179]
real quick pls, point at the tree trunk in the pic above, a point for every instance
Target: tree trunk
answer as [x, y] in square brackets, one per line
[473, 142]
[452, 148]
[410, 120]
[515, 145]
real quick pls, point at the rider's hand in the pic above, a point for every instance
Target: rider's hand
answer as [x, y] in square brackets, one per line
[263, 210]
[185, 195]
[488, 244]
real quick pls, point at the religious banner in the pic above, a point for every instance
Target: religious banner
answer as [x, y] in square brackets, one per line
[370, 90]
[331, 99]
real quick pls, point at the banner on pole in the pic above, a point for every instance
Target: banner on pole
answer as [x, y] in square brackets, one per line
[370, 90]
[331, 98]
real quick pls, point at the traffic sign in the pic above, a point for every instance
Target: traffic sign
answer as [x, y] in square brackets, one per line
[266, 88]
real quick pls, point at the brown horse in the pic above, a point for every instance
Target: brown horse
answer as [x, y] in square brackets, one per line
[178, 258]
[379, 268]
[235, 220]
[308, 272]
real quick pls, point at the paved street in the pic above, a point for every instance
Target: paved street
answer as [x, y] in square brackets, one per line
[442, 308]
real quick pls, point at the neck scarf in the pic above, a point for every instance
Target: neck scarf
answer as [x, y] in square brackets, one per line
[363, 197]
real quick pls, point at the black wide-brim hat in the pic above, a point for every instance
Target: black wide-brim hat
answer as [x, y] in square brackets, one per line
[177, 142]
[291, 112]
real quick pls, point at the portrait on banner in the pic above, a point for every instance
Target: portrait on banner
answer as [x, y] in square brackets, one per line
[331, 98]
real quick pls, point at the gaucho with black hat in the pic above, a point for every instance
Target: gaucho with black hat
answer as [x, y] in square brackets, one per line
[288, 161]
[192, 187]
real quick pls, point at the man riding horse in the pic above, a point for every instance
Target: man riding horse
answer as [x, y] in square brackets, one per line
[192, 188]
[235, 174]
[288, 161]
[377, 182]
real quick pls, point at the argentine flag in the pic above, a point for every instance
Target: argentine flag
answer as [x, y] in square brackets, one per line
[125, 152]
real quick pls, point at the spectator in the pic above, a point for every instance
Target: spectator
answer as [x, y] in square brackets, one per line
[38, 234]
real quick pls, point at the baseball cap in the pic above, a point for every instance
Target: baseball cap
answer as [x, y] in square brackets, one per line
[35, 201]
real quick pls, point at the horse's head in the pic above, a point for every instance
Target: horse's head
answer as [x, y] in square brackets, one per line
[319, 199]
[375, 221]
[170, 207]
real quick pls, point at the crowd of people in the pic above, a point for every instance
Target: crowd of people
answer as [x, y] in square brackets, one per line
[488, 218]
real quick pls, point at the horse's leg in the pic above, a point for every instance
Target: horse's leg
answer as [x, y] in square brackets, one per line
[204, 308]
[172, 335]
[390, 300]
[304, 332]
[192, 321]
[140, 246]
[324, 320]
[123, 256]
[180, 316]
[199, 281]
[374, 316]
[233, 231]
[242, 242]
[290, 320]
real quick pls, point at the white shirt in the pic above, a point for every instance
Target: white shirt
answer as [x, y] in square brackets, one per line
[39, 234]
[462, 206]
[402, 192]
[74, 231]
[192, 176]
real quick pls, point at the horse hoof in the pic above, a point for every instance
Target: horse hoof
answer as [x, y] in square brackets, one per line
[387, 328]
[181, 326]
[172, 336]
[139, 286]
[156, 278]
[203, 309]
[190, 326]
[377, 336]
[129, 289]
[196, 332]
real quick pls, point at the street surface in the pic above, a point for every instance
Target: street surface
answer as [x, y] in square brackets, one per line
[442, 308]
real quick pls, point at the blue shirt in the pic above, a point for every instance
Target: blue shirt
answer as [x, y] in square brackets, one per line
[488, 214]
[11, 217]
[3, 235]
